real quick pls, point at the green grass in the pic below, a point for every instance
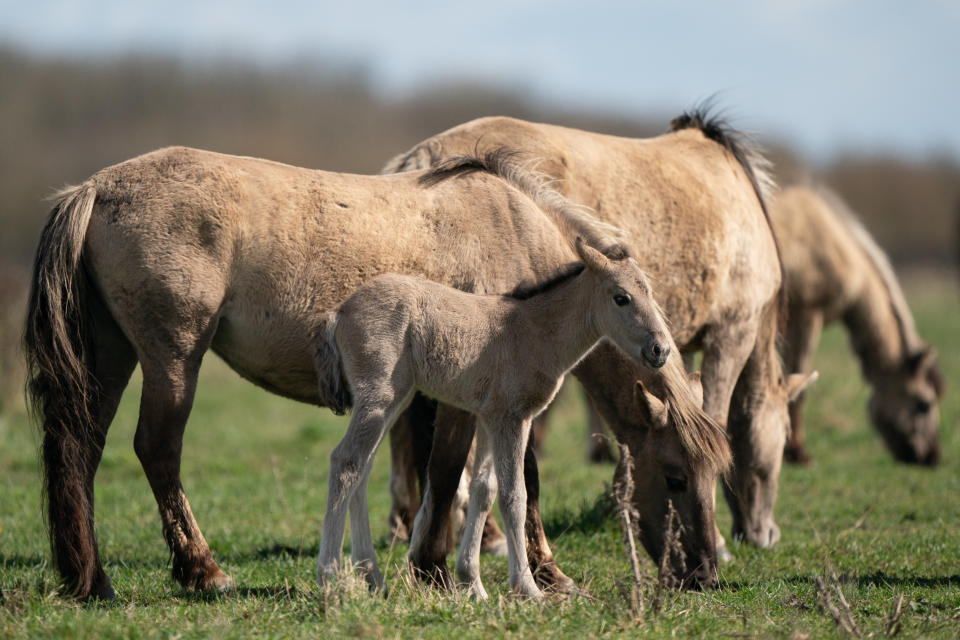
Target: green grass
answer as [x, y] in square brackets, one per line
[255, 470]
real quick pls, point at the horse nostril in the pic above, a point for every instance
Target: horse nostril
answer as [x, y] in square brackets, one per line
[656, 350]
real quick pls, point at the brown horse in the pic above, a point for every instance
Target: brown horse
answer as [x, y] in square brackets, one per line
[159, 258]
[692, 205]
[836, 271]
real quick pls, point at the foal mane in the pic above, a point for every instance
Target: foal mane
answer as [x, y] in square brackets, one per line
[702, 438]
[572, 219]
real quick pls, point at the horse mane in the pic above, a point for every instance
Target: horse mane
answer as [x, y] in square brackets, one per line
[909, 337]
[702, 438]
[751, 159]
[572, 219]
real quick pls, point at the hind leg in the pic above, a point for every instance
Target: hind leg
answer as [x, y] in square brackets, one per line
[114, 361]
[375, 410]
[168, 390]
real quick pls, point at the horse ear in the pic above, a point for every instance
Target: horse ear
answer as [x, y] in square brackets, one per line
[798, 382]
[594, 260]
[652, 409]
[696, 386]
[921, 360]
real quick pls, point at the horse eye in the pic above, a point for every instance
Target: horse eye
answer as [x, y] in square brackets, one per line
[679, 485]
[923, 406]
[621, 299]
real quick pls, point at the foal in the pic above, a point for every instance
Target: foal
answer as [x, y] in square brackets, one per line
[501, 358]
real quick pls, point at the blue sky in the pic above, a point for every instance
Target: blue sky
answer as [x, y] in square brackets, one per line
[823, 75]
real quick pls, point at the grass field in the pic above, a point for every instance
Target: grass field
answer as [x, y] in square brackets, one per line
[255, 470]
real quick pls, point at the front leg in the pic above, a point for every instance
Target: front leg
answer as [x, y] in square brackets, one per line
[430, 540]
[545, 570]
[508, 441]
[803, 333]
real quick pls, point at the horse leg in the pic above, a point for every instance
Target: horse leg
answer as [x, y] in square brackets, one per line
[803, 333]
[410, 444]
[430, 541]
[362, 553]
[375, 410]
[78, 557]
[169, 384]
[726, 350]
[508, 440]
[599, 442]
[545, 571]
[482, 492]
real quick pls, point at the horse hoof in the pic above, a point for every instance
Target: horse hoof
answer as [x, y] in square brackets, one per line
[217, 581]
[549, 578]
[102, 591]
[724, 556]
[496, 547]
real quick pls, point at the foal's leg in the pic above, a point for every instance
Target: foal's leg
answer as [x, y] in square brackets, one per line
[483, 487]
[362, 553]
[376, 408]
[803, 333]
[508, 442]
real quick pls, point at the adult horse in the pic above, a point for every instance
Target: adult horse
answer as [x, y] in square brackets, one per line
[162, 257]
[835, 271]
[692, 205]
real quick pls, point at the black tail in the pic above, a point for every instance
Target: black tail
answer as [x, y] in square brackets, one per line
[61, 388]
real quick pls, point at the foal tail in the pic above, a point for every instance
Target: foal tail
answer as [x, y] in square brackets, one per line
[61, 388]
[333, 389]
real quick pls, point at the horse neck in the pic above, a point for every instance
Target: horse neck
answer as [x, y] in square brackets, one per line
[562, 323]
[880, 335]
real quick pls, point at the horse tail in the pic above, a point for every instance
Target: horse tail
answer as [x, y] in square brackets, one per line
[61, 388]
[332, 387]
[751, 159]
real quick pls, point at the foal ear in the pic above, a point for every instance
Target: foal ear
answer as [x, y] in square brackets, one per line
[797, 382]
[696, 386]
[594, 260]
[652, 409]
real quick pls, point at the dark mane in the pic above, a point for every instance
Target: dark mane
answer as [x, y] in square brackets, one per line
[495, 161]
[566, 273]
[748, 155]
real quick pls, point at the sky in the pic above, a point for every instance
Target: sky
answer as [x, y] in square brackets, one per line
[826, 76]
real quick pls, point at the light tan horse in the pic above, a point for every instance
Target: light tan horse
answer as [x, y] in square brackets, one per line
[159, 258]
[691, 203]
[499, 357]
[836, 271]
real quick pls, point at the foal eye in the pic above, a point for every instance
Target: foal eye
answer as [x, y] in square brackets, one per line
[923, 406]
[621, 299]
[678, 485]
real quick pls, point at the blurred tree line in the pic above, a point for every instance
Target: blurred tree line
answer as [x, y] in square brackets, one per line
[61, 120]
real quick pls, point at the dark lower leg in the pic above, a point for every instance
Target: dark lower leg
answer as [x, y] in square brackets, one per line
[453, 435]
[546, 573]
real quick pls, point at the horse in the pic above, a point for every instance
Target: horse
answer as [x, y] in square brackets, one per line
[163, 257]
[836, 271]
[692, 203]
[502, 358]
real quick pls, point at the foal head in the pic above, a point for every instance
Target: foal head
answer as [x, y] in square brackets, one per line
[623, 307]
[903, 408]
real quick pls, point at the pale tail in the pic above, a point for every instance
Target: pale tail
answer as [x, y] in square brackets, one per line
[331, 386]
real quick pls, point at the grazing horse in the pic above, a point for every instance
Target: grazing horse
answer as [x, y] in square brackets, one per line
[158, 259]
[501, 358]
[691, 203]
[836, 271]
